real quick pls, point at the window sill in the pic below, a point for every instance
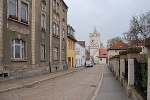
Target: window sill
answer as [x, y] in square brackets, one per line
[27, 24]
[56, 60]
[18, 60]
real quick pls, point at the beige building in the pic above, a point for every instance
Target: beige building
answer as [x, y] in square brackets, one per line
[33, 37]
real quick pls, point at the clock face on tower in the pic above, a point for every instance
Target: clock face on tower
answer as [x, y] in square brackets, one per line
[94, 41]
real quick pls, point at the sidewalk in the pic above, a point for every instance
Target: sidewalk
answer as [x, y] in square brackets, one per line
[110, 88]
[20, 83]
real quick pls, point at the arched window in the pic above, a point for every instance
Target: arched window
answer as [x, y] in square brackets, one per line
[18, 49]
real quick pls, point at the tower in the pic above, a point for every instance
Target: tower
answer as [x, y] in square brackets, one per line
[94, 45]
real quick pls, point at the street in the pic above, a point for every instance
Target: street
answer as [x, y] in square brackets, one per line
[79, 85]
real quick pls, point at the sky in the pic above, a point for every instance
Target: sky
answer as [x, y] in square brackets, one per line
[110, 17]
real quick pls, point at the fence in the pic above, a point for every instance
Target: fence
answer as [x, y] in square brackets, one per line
[140, 77]
[126, 70]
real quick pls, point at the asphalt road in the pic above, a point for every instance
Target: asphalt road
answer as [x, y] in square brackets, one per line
[79, 85]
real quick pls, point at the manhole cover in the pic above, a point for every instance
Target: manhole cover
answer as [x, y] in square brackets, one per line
[93, 86]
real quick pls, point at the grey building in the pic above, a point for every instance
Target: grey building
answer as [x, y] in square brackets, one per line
[32, 37]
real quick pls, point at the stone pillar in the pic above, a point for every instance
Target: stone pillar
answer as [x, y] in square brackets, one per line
[147, 42]
[132, 53]
[123, 56]
[116, 66]
[1, 35]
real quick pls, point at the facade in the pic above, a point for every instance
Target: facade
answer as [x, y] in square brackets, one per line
[94, 45]
[103, 56]
[71, 47]
[58, 46]
[31, 44]
[80, 53]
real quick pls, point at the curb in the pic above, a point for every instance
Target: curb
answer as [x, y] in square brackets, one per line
[36, 82]
[98, 87]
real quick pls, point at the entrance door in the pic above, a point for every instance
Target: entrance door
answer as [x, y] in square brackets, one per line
[69, 61]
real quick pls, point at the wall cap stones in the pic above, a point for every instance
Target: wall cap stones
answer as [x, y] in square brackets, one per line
[134, 50]
[123, 53]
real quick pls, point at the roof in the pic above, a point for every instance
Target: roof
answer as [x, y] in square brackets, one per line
[82, 43]
[137, 43]
[119, 46]
[103, 53]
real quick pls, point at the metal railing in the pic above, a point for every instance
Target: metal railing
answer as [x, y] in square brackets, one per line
[140, 78]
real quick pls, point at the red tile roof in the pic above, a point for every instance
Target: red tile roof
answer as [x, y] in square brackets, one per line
[119, 46]
[82, 43]
[103, 53]
[139, 43]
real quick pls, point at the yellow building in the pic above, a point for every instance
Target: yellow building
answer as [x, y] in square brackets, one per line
[71, 47]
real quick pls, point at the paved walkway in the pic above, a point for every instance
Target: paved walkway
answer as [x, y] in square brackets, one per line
[20, 83]
[110, 88]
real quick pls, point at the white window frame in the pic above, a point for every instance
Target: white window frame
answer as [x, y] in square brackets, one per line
[57, 7]
[54, 4]
[43, 52]
[55, 53]
[16, 4]
[26, 9]
[63, 34]
[57, 29]
[21, 47]
[54, 28]
[43, 20]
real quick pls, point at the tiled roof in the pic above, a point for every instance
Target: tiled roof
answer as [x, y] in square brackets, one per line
[139, 43]
[82, 43]
[119, 46]
[103, 53]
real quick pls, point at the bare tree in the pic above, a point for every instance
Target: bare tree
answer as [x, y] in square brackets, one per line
[139, 29]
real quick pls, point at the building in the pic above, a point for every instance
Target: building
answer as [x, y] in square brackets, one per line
[71, 47]
[34, 37]
[94, 45]
[58, 38]
[103, 56]
[80, 53]
[114, 50]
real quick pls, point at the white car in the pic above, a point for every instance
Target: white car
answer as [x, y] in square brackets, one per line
[89, 63]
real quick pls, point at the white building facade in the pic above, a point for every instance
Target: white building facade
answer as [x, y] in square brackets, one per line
[95, 45]
[80, 55]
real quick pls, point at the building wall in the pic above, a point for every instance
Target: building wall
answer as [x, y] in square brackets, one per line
[80, 55]
[33, 35]
[71, 52]
[102, 60]
[58, 41]
[1, 36]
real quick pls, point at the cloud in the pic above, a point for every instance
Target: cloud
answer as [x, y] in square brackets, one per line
[111, 17]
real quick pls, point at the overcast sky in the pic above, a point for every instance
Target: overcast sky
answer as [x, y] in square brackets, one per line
[111, 17]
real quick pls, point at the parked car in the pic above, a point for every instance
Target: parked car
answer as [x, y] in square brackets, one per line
[89, 63]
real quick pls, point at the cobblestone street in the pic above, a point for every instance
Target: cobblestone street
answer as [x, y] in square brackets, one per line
[79, 85]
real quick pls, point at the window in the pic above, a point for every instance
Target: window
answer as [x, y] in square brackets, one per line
[63, 13]
[18, 49]
[13, 8]
[43, 21]
[24, 11]
[63, 55]
[54, 27]
[55, 53]
[43, 56]
[68, 29]
[54, 4]
[57, 8]
[57, 29]
[63, 35]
